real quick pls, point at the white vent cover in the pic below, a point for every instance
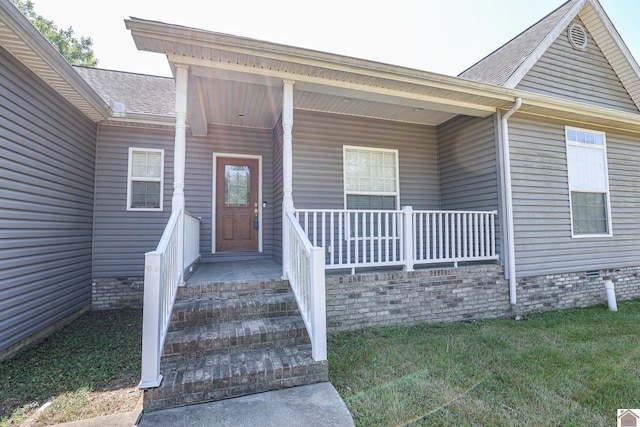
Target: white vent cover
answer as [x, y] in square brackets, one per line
[577, 36]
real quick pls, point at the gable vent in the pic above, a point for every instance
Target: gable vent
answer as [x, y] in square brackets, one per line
[577, 36]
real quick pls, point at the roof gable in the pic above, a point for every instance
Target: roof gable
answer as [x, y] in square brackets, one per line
[509, 64]
[581, 74]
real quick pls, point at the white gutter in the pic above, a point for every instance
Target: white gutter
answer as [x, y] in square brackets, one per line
[508, 201]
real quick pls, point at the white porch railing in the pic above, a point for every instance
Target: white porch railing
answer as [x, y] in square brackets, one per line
[191, 240]
[162, 276]
[370, 238]
[452, 236]
[306, 276]
[355, 238]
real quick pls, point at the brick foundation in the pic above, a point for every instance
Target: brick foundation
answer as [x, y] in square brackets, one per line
[406, 298]
[569, 290]
[466, 293]
[116, 293]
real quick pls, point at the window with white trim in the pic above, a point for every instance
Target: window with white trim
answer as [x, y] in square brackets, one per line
[370, 178]
[145, 179]
[588, 182]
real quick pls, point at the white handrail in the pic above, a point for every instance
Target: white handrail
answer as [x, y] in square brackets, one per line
[162, 276]
[306, 277]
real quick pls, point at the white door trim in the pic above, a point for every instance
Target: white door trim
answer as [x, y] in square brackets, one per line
[213, 198]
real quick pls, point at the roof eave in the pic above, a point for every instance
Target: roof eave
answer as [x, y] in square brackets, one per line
[162, 31]
[40, 50]
[501, 97]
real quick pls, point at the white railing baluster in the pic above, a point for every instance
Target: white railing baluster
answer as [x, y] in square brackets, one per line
[446, 236]
[481, 231]
[314, 220]
[356, 239]
[492, 230]
[323, 217]
[476, 232]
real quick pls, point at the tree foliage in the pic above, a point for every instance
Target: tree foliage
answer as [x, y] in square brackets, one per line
[78, 51]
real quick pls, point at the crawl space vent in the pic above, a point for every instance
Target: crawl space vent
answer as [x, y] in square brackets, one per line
[577, 36]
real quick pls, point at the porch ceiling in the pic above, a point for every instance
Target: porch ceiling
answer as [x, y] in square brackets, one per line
[258, 105]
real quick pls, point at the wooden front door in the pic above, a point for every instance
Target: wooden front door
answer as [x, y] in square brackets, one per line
[236, 204]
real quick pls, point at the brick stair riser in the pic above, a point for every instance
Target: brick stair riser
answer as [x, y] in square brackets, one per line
[231, 290]
[207, 314]
[209, 390]
[207, 347]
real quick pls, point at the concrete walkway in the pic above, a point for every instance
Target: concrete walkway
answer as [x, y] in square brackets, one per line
[309, 405]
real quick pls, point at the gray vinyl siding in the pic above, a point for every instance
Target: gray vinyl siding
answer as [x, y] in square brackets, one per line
[542, 218]
[47, 160]
[577, 75]
[467, 149]
[122, 237]
[468, 164]
[318, 140]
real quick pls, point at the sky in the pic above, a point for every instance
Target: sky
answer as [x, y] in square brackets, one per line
[441, 36]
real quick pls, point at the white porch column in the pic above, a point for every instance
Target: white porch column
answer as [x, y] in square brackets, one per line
[287, 168]
[179, 158]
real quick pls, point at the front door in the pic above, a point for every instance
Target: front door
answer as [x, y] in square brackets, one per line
[236, 204]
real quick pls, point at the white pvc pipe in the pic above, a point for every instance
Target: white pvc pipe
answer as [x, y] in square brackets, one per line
[611, 295]
[508, 199]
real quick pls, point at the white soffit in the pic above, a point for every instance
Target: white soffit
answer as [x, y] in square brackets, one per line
[24, 42]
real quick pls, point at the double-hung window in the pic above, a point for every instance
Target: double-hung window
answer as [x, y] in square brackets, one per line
[370, 186]
[144, 184]
[588, 182]
[371, 178]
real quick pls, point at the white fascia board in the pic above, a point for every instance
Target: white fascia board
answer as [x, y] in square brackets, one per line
[314, 84]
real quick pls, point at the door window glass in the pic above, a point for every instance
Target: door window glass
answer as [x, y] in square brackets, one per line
[237, 188]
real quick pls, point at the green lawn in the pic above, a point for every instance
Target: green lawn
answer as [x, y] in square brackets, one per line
[570, 368]
[87, 369]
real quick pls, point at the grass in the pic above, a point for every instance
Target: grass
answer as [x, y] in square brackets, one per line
[87, 369]
[570, 368]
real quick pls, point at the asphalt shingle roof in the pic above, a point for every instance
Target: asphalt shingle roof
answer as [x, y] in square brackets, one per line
[499, 66]
[143, 94]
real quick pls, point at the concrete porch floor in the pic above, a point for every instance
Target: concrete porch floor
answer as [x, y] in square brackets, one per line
[236, 271]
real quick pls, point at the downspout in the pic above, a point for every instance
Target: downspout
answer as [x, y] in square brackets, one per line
[508, 199]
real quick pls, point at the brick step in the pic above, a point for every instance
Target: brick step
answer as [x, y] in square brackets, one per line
[222, 376]
[238, 335]
[231, 289]
[222, 309]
